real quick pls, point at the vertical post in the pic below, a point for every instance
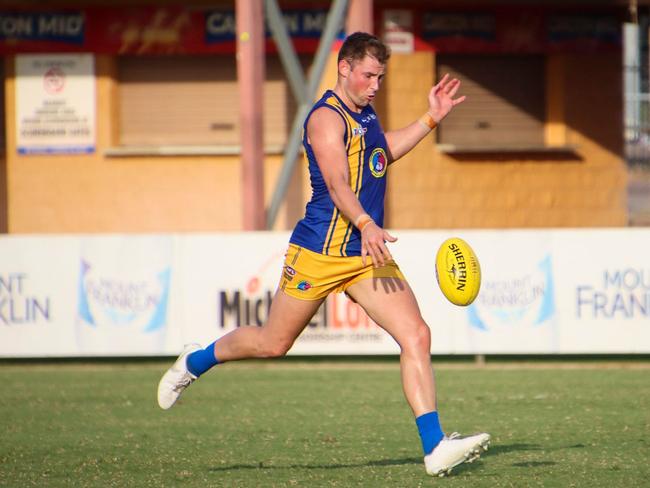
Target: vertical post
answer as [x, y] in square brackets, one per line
[250, 76]
[6, 73]
[360, 17]
[631, 80]
[335, 19]
[631, 75]
[555, 127]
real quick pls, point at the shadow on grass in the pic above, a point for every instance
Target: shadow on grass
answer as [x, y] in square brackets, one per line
[381, 462]
[261, 465]
[494, 451]
[533, 464]
[504, 449]
[507, 448]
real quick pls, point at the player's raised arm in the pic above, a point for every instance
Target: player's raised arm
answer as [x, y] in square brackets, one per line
[326, 131]
[441, 102]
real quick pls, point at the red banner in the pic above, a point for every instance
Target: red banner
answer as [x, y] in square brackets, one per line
[143, 30]
[186, 30]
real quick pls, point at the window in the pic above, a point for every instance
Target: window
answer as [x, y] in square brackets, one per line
[194, 100]
[505, 106]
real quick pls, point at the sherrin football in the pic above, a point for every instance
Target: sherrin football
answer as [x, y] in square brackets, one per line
[458, 271]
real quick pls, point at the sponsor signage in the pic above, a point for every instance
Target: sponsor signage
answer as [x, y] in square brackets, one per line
[18, 304]
[145, 30]
[519, 302]
[459, 26]
[530, 31]
[338, 327]
[34, 27]
[142, 30]
[123, 294]
[584, 31]
[35, 300]
[220, 25]
[620, 294]
[543, 292]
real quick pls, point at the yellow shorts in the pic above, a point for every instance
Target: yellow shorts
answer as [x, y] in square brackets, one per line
[311, 276]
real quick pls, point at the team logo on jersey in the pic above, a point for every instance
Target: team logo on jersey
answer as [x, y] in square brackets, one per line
[289, 273]
[378, 162]
[359, 131]
[304, 285]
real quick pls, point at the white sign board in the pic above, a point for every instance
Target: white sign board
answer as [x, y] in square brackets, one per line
[398, 31]
[55, 103]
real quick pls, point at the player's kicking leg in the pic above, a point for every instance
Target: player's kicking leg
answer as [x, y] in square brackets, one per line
[391, 304]
[287, 319]
[454, 450]
[176, 379]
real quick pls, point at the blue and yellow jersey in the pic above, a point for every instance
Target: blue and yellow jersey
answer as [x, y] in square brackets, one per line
[324, 229]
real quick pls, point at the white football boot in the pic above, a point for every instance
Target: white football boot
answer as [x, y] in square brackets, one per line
[454, 450]
[176, 379]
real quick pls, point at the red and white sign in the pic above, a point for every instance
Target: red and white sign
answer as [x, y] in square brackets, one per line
[398, 30]
[55, 103]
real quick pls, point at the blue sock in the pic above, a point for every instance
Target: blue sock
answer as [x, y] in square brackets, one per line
[430, 431]
[202, 360]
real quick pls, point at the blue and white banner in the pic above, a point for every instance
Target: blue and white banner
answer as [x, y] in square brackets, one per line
[124, 287]
[543, 292]
[604, 287]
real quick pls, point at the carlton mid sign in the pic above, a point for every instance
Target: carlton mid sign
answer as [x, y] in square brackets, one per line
[144, 30]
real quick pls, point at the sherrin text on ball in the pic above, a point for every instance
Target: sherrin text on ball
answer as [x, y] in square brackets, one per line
[458, 271]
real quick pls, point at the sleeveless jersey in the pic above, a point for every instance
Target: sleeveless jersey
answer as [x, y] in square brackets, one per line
[324, 229]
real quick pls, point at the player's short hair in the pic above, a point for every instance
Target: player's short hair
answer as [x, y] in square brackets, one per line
[356, 46]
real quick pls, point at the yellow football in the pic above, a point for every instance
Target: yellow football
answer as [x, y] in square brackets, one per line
[458, 271]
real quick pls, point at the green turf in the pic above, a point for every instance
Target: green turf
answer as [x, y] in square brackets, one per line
[305, 424]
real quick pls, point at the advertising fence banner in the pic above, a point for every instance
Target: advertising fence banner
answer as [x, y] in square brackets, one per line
[543, 292]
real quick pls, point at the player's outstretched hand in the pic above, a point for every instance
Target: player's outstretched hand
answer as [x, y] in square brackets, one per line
[441, 98]
[373, 244]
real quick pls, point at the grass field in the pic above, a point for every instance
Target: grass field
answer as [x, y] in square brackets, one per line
[293, 423]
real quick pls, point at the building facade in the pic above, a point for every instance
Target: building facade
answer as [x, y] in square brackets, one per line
[124, 117]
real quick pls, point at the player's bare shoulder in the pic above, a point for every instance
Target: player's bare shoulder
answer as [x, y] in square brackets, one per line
[325, 125]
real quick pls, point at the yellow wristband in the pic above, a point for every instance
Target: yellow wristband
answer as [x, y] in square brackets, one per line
[427, 121]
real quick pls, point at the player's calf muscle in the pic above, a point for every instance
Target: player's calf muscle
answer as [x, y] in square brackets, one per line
[273, 347]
